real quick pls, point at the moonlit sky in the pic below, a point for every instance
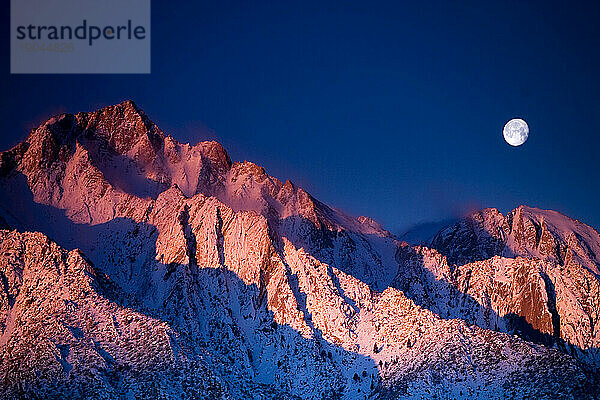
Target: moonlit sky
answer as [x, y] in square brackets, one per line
[394, 111]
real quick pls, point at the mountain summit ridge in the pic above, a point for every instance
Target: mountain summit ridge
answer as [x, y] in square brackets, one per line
[210, 278]
[525, 231]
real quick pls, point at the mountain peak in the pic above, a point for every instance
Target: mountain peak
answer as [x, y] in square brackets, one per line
[125, 108]
[525, 231]
[123, 149]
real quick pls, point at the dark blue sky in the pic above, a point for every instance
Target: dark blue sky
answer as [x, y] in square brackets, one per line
[389, 110]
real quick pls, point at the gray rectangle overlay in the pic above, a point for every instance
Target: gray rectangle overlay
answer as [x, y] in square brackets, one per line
[80, 36]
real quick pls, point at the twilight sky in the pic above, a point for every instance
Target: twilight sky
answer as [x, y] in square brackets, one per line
[394, 111]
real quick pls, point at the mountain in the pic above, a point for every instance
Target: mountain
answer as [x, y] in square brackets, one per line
[525, 231]
[532, 272]
[134, 265]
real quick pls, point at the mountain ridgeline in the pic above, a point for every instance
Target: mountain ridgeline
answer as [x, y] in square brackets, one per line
[132, 265]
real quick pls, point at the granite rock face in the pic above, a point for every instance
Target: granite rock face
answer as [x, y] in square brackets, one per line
[525, 231]
[532, 272]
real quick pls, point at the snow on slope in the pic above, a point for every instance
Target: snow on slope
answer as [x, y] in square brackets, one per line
[277, 294]
[532, 272]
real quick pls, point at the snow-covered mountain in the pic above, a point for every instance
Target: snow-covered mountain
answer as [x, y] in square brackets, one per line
[525, 231]
[164, 269]
[532, 272]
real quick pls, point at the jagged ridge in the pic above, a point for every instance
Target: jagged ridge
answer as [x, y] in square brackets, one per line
[277, 293]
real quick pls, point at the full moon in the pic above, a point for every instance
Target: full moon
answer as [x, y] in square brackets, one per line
[516, 132]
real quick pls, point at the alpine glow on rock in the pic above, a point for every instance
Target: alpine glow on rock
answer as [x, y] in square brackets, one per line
[134, 265]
